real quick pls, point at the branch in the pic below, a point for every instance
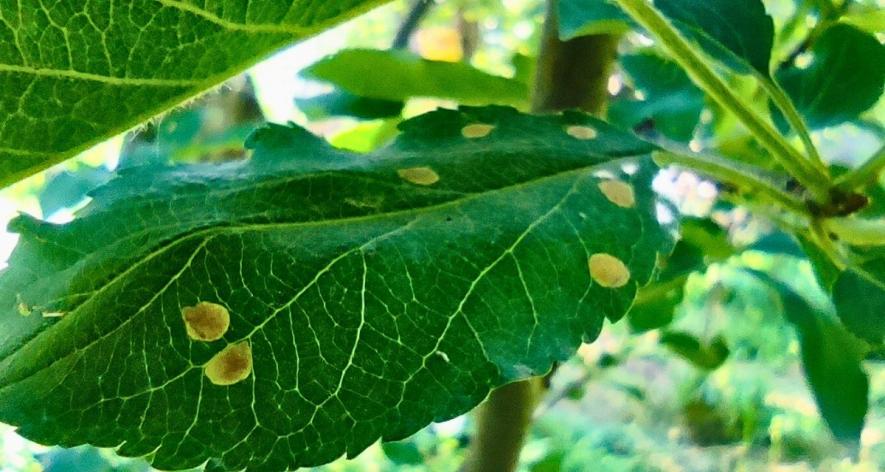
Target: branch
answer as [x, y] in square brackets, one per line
[502, 422]
[703, 75]
[856, 231]
[413, 19]
[735, 173]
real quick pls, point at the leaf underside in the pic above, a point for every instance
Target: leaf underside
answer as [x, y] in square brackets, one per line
[75, 73]
[377, 293]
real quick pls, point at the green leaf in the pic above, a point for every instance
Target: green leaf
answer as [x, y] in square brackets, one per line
[403, 453]
[701, 242]
[77, 73]
[341, 103]
[778, 242]
[737, 32]
[366, 136]
[585, 17]
[831, 358]
[409, 75]
[845, 77]
[707, 356]
[671, 102]
[825, 271]
[373, 293]
[66, 189]
[87, 459]
[859, 296]
[655, 306]
[870, 19]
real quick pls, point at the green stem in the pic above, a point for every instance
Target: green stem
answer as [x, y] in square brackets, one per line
[786, 106]
[703, 75]
[502, 423]
[857, 231]
[821, 238]
[868, 172]
[735, 173]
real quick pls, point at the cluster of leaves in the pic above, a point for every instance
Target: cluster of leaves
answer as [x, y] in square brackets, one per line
[367, 295]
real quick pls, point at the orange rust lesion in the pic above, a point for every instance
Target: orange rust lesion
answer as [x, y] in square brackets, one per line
[419, 175]
[619, 193]
[608, 271]
[477, 130]
[232, 365]
[206, 321]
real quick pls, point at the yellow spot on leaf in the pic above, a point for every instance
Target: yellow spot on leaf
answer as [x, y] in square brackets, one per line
[232, 365]
[608, 270]
[419, 175]
[24, 309]
[476, 130]
[619, 193]
[581, 132]
[206, 321]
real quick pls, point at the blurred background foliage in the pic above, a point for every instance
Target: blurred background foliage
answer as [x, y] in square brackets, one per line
[705, 373]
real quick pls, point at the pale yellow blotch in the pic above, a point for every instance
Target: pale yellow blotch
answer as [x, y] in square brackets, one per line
[608, 270]
[206, 321]
[476, 130]
[581, 132]
[419, 175]
[619, 193]
[231, 365]
[24, 309]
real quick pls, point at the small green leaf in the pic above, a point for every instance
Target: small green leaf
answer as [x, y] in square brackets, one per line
[68, 188]
[831, 358]
[341, 103]
[585, 17]
[859, 295]
[359, 297]
[701, 242]
[655, 306]
[408, 75]
[737, 32]
[403, 453]
[73, 75]
[671, 102]
[845, 77]
[707, 356]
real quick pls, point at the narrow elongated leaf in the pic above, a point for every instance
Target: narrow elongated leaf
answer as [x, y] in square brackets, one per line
[341, 103]
[845, 77]
[397, 75]
[282, 311]
[831, 358]
[75, 73]
[737, 32]
[583, 17]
